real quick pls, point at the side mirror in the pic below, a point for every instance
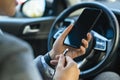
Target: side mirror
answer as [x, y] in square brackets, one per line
[33, 8]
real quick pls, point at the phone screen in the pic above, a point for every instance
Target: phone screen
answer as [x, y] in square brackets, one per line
[82, 26]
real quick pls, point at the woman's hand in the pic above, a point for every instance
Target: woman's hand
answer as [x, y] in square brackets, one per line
[66, 69]
[59, 47]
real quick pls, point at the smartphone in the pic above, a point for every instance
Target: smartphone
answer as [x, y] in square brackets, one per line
[85, 22]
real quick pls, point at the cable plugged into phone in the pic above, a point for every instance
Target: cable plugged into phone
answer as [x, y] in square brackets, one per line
[65, 52]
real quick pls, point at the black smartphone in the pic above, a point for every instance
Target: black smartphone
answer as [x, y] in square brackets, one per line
[85, 22]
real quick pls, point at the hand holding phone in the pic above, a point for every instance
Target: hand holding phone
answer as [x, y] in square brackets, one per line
[82, 26]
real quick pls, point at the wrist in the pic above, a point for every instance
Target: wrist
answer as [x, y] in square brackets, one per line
[51, 54]
[47, 59]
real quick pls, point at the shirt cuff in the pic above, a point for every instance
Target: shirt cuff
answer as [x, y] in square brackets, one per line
[47, 59]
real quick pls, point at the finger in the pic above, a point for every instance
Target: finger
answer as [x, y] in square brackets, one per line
[57, 57]
[69, 61]
[61, 61]
[85, 43]
[82, 51]
[79, 52]
[89, 37]
[54, 62]
[65, 33]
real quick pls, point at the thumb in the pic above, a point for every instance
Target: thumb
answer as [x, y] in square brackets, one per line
[61, 61]
[69, 61]
[65, 33]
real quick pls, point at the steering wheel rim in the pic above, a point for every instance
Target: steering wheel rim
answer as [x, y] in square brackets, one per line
[113, 23]
[1, 32]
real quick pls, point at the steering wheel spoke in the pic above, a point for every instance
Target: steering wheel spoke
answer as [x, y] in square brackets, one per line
[100, 41]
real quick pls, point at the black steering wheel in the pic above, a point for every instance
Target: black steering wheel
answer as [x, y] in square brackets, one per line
[109, 45]
[1, 32]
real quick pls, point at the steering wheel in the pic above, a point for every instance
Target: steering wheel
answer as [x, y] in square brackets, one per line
[1, 32]
[108, 46]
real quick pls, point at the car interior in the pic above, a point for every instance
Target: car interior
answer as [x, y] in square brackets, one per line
[42, 24]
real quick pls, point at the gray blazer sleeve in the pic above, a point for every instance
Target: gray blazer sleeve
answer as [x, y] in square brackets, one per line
[46, 71]
[16, 60]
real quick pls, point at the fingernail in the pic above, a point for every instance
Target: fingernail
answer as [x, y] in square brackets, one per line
[82, 40]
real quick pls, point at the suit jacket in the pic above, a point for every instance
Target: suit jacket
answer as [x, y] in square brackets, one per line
[16, 60]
